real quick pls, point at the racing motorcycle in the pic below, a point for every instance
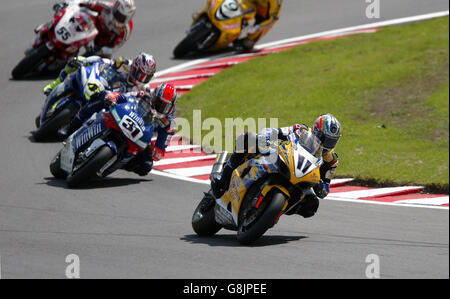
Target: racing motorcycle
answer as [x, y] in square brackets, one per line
[262, 189]
[67, 98]
[106, 142]
[216, 26]
[71, 28]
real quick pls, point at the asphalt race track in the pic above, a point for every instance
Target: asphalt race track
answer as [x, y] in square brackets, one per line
[132, 227]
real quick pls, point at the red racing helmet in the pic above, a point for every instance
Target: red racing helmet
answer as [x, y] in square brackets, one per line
[163, 100]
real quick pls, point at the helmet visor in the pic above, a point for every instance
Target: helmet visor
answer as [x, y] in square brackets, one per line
[121, 18]
[162, 106]
[330, 142]
[140, 76]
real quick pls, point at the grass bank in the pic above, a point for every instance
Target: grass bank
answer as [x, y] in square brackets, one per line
[389, 90]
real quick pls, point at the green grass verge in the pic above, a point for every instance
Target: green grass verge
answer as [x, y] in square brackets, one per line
[388, 89]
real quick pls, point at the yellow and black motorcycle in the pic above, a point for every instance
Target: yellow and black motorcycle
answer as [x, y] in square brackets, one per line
[216, 26]
[262, 189]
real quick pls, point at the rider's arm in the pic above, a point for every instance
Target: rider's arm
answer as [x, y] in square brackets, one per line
[165, 129]
[268, 13]
[70, 67]
[282, 133]
[93, 5]
[329, 166]
[327, 170]
[120, 40]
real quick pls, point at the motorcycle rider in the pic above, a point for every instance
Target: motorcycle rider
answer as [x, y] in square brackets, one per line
[161, 109]
[267, 14]
[326, 128]
[114, 23]
[134, 74]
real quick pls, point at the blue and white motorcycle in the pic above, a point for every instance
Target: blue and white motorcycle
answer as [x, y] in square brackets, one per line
[63, 103]
[106, 142]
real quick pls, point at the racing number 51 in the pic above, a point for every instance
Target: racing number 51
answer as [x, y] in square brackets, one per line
[128, 124]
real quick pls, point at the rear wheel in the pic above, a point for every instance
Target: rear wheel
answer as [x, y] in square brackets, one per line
[90, 168]
[57, 121]
[198, 33]
[29, 63]
[55, 167]
[203, 219]
[253, 222]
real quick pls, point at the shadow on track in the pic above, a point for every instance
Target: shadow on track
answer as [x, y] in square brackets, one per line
[51, 139]
[231, 240]
[95, 183]
[38, 77]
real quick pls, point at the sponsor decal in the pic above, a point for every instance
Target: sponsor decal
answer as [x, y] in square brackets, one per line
[88, 134]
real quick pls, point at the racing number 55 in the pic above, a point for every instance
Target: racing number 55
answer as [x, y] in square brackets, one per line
[64, 33]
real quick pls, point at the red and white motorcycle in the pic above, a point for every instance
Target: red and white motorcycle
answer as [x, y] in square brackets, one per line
[72, 28]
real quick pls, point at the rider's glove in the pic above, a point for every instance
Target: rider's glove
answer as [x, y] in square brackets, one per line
[298, 127]
[322, 189]
[158, 154]
[242, 45]
[111, 98]
[58, 6]
[75, 62]
[143, 168]
[47, 90]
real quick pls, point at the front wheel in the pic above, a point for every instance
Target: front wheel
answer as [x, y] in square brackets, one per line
[56, 122]
[55, 167]
[29, 63]
[203, 219]
[90, 169]
[253, 223]
[198, 33]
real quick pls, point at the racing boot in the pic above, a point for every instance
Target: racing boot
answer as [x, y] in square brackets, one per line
[221, 181]
[309, 207]
[221, 174]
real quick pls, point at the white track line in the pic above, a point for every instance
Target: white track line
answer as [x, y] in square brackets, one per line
[181, 178]
[373, 202]
[179, 148]
[340, 181]
[178, 78]
[356, 28]
[373, 192]
[183, 160]
[426, 201]
[190, 171]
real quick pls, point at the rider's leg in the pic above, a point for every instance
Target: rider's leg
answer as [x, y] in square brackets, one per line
[94, 105]
[246, 145]
[310, 205]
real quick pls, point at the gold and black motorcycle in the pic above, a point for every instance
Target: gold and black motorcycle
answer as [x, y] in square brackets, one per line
[262, 189]
[216, 26]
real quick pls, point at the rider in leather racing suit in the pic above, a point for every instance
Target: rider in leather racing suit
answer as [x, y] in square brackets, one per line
[267, 14]
[162, 105]
[326, 128]
[114, 23]
[133, 75]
